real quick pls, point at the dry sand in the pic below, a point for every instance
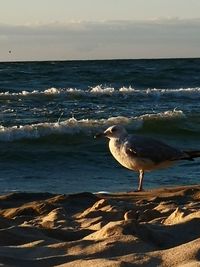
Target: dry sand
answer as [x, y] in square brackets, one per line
[155, 228]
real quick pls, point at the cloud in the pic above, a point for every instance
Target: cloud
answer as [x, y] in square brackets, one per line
[160, 37]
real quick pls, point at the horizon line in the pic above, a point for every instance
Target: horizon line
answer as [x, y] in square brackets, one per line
[106, 59]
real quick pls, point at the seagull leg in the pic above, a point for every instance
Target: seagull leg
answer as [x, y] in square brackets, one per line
[141, 176]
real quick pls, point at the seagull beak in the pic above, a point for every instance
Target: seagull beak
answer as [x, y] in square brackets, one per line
[98, 135]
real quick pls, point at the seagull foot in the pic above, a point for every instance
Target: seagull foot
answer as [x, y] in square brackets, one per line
[136, 190]
[139, 190]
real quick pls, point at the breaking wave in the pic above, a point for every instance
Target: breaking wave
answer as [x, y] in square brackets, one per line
[100, 90]
[73, 126]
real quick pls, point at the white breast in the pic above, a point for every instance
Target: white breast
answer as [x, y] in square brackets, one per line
[120, 155]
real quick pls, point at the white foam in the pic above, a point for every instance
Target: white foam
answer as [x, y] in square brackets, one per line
[73, 126]
[100, 90]
[170, 114]
[52, 91]
[128, 90]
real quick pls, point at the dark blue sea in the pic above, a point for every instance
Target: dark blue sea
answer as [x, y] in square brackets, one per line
[50, 111]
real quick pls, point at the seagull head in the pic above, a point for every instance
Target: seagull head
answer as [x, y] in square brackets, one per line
[113, 132]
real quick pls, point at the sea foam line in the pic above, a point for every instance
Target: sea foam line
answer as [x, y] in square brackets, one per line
[100, 90]
[73, 126]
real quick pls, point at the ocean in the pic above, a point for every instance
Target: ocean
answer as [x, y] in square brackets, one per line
[50, 112]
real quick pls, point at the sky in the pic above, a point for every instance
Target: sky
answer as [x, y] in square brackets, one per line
[98, 29]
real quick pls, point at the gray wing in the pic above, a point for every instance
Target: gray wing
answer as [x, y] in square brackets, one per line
[157, 151]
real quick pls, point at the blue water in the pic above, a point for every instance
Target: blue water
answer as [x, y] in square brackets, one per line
[49, 112]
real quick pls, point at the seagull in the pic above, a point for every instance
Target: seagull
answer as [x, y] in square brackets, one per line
[141, 154]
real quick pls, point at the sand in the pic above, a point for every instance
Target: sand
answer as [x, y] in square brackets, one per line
[160, 227]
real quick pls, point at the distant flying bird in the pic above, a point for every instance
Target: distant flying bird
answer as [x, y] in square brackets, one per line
[141, 154]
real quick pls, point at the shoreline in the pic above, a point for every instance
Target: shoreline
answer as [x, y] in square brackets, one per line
[158, 227]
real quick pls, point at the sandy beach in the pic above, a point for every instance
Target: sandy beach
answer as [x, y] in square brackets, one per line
[160, 227]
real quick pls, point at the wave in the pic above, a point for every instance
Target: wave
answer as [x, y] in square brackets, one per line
[72, 126]
[100, 90]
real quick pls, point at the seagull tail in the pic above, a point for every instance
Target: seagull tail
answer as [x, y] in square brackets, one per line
[192, 154]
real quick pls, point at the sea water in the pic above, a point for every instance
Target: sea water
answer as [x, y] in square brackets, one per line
[50, 111]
